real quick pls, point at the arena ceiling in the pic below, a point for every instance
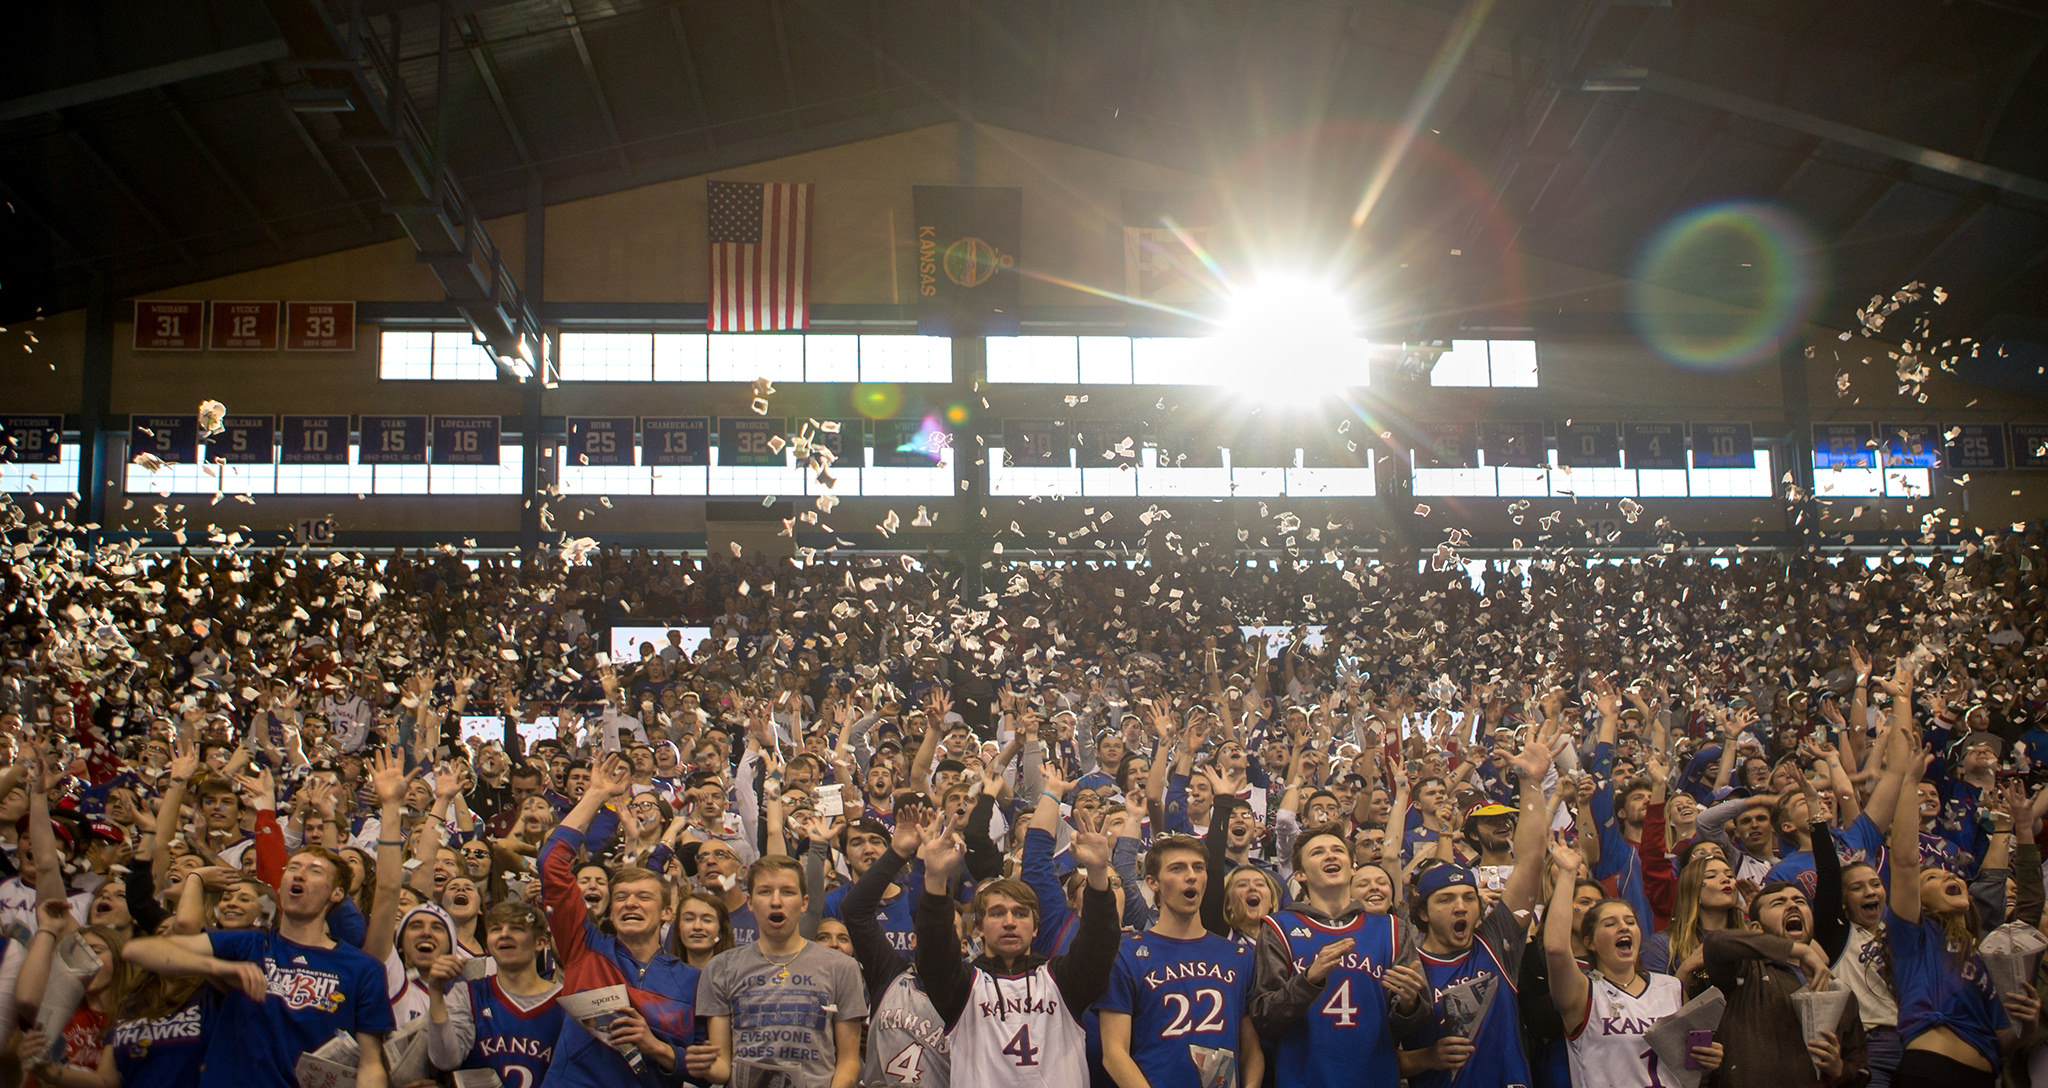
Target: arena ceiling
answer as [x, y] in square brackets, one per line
[148, 143]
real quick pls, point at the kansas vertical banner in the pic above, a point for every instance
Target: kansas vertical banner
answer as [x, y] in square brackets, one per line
[1166, 237]
[966, 240]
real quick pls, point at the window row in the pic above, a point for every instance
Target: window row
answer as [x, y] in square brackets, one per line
[414, 355]
[503, 478]
[788, 480]
[1556, 481]
[1149, 479]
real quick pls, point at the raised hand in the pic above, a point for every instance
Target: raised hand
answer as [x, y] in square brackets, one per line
[612, 778]
[943, 855]
[388, 776]
[261, 789]
[1091, 850]
[1532, 762]
[184, 758]
[1568, 860]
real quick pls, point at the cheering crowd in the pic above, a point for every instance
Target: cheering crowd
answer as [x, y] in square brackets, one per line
[274, 818]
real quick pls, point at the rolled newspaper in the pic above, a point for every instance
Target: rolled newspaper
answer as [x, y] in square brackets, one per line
[1819, 1011]
[595, 1009]
[1667, 1037]
[75, 966]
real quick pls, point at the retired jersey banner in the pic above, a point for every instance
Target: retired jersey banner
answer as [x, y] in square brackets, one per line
[1653, 445]
[1973, 446]
[1723, 445]
[173, 440]
[243, 440]
[393, 440]
[675, 440]
[1167, 247]
[1588, 445]
[967, 239]
[1512, 443]
[31, 440]
[314, 440]
[466, 440]
[600, 440]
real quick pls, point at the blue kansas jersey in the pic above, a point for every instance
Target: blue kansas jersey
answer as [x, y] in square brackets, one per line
[518, 1044]
[1344, 1038]
[1186, 1000]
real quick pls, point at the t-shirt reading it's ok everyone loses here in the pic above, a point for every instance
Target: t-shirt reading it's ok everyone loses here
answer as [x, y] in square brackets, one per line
[782, 1013]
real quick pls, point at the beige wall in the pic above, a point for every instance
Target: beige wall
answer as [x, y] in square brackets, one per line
[648, 245]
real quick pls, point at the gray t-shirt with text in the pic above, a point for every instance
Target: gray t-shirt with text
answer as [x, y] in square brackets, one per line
[782, 1016]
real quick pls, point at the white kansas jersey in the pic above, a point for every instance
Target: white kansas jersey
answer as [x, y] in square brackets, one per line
[1016, 1030]
[1609, 1049]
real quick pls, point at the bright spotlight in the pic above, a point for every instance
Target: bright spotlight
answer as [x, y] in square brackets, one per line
[1287, 337]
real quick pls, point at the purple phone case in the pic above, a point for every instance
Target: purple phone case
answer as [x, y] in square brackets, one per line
[1696, 1038]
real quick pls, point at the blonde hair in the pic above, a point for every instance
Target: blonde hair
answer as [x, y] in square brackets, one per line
[1233, 911]
[1687, 930]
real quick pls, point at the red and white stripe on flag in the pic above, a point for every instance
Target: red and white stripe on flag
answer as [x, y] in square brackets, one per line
[760, 259]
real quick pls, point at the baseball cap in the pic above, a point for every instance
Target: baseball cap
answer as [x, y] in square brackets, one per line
[1477, 812]
[1438, 878]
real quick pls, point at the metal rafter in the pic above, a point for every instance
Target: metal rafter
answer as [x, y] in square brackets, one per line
[1865, 205]
[487, 70]
[796, 123]
[98, 90]
[120, 184]
[696, 86]
[604, 105]
[220, 169]
[2008, 92]
[1908, 270]
[319, 153]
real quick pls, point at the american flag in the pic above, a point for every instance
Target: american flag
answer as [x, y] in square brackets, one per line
[760, 256]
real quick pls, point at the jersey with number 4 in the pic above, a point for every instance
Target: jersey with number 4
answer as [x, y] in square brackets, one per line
[1017, 1030]
[1344, 1038]
[516, 1043]
[1609, 1049]
[1186, 999]
[906, 1041]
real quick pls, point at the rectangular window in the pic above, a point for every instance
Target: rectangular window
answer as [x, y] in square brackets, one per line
[204, 478]
[1176, 360]
[348, 479]
[1051, 481]
[605, 357]
[780, 357]
[503, 478]
[42, 479]
[906, 359]
[1499, 364]
[832, 358]
[415, 355]
[1169, 482]
[742, 357]
[1040, 360]
[1555, 482]
[1344, 482]
[678, 356]
[937, 481]
[1105, 360]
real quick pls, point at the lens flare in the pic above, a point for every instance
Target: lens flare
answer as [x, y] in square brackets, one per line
[957, 414]
[1755, 255]
[877, 400]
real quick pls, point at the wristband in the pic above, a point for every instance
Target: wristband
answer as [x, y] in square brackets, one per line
[1055, 797]
[390, 842]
